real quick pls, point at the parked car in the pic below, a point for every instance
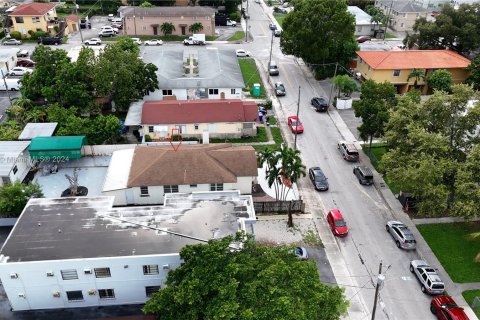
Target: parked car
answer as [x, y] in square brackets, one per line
[363, 39]
[242, 53]
[320, 104]
[231, 23]
[402, 236]
[27, 63]
[348, 151]
[19, 71]
[93, 42]
[137, 41]
[273, 68]
[49, 40]
[109, 28]
[363, 174]
[23, 53]
[279, 89]
[117, 25]
[272, 26]
[12, 42]
[428, 277]
[111, 16]
[336, 223]
[295, 124]
[301, 253]
[445, 308]
[153, 42]
[277, 33]
[318, 178]
[106, 33]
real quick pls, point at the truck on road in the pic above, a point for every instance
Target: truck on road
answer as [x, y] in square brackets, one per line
[195, 39]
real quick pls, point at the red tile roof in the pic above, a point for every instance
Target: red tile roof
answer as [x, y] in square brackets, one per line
[72, 17]
[198, 111]
[410, 59]
[33, 9]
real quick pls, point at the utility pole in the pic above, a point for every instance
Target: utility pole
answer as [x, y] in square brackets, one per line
[386, 23]
[6, 88]
[79, 22]
[331, 88]
[246, 24]
[271, 48]
[380, 280]
[298, 110]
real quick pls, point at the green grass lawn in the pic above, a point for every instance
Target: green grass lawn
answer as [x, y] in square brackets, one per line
[456, 252]
[277, 137]
[238, 35]
[261, 137]
[280, 17]
[251, 76]
[469, 297]
[273, 120]
[390, 36]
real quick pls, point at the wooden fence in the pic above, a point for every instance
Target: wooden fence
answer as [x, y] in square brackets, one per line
[267, 207]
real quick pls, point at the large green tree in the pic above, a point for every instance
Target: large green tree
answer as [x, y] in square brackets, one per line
[320, 32]
[440, 79]
[257, 282]
[474, 78]
[14, 197]
[430, 151]
[376, 100]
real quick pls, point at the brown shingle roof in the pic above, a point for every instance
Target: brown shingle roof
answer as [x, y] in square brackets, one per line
[33, 9]
[198, 111]
[410, 59]
[191, 164]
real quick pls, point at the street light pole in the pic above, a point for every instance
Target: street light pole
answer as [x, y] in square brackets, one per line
[79, 22]
[331, 88]
[298, 110]
[271, 49]
[380, 280]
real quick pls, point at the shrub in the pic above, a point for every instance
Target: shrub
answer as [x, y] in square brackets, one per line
[148, 138]
[235, 16]
[16, 35]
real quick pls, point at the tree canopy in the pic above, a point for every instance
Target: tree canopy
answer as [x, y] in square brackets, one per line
[433, 150]
[440, 79]
[14, 197]
[257, 282]
[320, 32]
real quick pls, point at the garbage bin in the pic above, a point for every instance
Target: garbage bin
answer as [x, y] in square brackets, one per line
[256, 89]
[260, 117]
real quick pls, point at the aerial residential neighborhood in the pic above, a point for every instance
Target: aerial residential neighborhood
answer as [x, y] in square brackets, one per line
[244, 159]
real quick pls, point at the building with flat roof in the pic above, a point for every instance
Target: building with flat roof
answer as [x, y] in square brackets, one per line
[79, 251]
[364, 25]
[14, 161]
[33, 130]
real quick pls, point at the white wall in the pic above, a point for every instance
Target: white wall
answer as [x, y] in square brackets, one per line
[23, 164]
[127, 280]
[364, 30]
[227, 92]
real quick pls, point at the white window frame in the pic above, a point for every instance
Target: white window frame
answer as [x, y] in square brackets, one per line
[103, 272]
[105, 294]
[397, 74]
[150, 269]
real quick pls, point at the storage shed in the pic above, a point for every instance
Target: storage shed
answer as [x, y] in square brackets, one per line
[57, 148]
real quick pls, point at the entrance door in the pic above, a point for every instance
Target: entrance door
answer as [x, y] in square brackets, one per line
[183, 30]
[155, 30]
[129, 196]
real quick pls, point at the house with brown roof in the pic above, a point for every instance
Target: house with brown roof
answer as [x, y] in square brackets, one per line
[396, 66]
[35, 16]
[191, 118]
[145, 174]
[148, 21]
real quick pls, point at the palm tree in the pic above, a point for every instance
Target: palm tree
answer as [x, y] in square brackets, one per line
[196, 27]
[417, 74]
[167, 28]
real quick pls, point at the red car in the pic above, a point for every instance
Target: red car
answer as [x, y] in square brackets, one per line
[27, 63]
[295, 124]
[445, 308]
[336, 223]
[363, 39]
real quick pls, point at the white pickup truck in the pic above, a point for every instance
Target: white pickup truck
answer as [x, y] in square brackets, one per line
[195, 39]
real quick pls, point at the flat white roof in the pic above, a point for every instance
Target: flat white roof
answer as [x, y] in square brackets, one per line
[134, 114]
[33, 130]
[75, 51]
[118, 170]
[9, 153]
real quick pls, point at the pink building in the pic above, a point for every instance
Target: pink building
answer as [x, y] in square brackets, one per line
[148, 21]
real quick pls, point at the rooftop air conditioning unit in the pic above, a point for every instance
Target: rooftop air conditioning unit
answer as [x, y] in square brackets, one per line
[87, 271]
[92, 292]
[166, 267]
[49, 273]
[21, 295]
[56, 294]
[13, 275]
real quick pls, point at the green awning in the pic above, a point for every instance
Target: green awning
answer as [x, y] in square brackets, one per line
[57, 148]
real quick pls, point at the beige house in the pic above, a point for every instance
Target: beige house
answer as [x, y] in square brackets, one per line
[191, 118]
[35, 16]
[148, 21]
[402, 14]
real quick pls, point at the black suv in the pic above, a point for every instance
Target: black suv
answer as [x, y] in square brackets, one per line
[320, 104]
[49, 40]
[318, 179]
[363, 174]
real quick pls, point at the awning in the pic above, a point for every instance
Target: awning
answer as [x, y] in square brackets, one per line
[57, 148]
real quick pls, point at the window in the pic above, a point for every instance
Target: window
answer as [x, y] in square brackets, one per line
[196, 126]
[170, 189]
[359, 29]
[70, 274]
[150, 129]
[150, 269]
[216, 187]
[248, 125]
[193, 186]
[212, 91]
[396, 73]
[19, 19]
[36, 19]
[167, 92]
[15, 169]
[401, 25]
[149, 291]
[75, 295]
[144, 191]
[232, 91]
[144, 28]
[102, 272]
[106, 293]
[404, 15]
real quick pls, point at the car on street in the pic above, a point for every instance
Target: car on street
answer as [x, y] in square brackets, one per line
[231, 23]
[107, 33]
[23, 53]
[272, 26]
[319, 103]
[93, 42]
[318, 178]
[277, 33]
[137, 41]
[116, 25]
[19, 71]
[402, 236]
[295, 124]
[279, 89]
[363, 39]
[27, 63]
[242, 53]
[49, 40]
[445, 308]
[109, 28]
[301, 253]
[337, 223]
[428, 277]
[153, 42]
[363, 174]
[348, 151]
[12, 42]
